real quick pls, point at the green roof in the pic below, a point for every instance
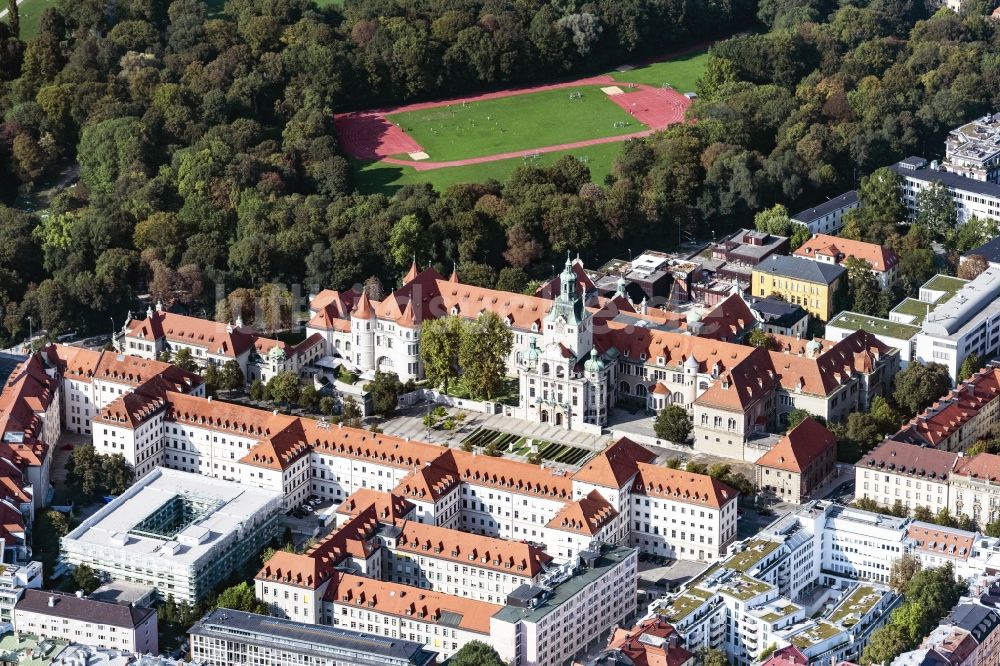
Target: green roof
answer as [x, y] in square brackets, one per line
[945, 283]
[862, 600]
[684, 604]
[915, 308]
[780, 612]
[755, 551]
[853, 321]
[817, 633]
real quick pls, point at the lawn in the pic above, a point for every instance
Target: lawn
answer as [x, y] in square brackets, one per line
[517, 445]
[30, 15]
[681, 73]
[372, 177]
[517, 122]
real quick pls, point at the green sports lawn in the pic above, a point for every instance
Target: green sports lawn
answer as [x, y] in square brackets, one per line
[517, 122]
[30, 15]
[681, 73]
[387, 178]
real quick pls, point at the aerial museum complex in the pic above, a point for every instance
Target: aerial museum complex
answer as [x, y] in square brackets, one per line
[671, 475]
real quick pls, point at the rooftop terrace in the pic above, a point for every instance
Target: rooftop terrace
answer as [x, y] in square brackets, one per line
[914, 308]
[755, 551]
[817, 633]
[855, 606]
[946, 283]
[684, 604]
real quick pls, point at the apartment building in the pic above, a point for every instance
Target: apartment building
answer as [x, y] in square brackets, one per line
[910, 474]
[836, 251]
[813, 581]
[76, 619]
[813, 285]
[799, 464]
[648, 643]
[975, 488]
[180, 533]
[14, 579]
[827, 217]
[225, 636]
[966, 414]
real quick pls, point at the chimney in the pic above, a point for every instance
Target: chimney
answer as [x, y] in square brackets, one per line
[79, 594]
[52, 601]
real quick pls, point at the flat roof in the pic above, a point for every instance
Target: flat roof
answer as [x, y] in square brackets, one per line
[562, 592]
[321, 641]
[948, 179]
[975, 300]
[836, 203]
[854, 321]
[230, 506]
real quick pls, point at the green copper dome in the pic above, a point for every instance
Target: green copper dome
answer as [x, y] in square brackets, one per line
[594, 363]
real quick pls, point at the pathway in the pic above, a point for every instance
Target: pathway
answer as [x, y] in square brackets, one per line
[409, 423]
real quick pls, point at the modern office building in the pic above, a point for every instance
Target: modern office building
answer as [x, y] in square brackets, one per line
[890, 333]
[180, 533]
[966, 323]
[225, 637]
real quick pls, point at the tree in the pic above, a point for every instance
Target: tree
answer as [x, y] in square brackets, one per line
[974, 232]
[887, 418]
[885, 644]
[85, 579]
[903, 569]
[864, 291]
[351, 412]
[673, 424]
[385, 389]
[117, 474]
[284, 388]
[920, 385]
[408, 241]
[13, 18]
[970, 366]
[211, 376]
[993, 529]
[440, 343]
[308, 398]
[230, 376]
[971, 267]
[476, 653]
[326, 405]
[184, 360]
[486, 344]
[708, 657]
[774, 220]
[759, 338]
[241, 597]
[796, 416]
[257, 390]
[936, 210]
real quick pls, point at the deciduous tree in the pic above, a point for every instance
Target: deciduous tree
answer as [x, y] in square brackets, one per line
[486, 345]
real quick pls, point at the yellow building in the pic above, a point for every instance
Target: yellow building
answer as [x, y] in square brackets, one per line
[811, 284]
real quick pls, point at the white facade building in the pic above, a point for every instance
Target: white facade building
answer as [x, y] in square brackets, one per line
[182, 534]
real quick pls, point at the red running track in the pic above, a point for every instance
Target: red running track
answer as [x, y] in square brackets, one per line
[369, 135]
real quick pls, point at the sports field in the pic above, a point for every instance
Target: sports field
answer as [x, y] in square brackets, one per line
[386, 178]
[517, 122]
[681, 73]
[437, 143]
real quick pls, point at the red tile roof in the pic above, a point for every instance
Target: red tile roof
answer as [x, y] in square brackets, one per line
[587, 515]
[945, 541]
[219, 339]
[615, 466]
[962, 404]
[652, 642]
[681, 486]
[410, 603]
[800, 448]
[840, 249]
